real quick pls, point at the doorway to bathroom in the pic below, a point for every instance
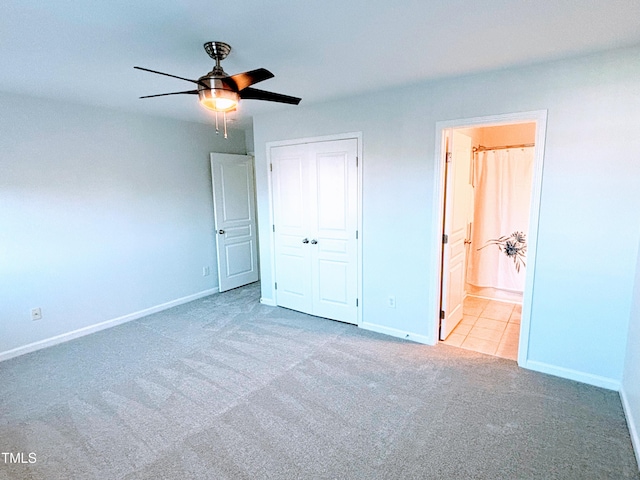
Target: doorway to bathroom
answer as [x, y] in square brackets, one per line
[490, 188]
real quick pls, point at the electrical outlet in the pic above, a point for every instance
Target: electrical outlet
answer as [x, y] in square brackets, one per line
[391, 302]
[205, 271]
[36, 313]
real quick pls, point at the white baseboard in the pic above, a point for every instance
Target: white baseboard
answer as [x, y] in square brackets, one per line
[595, 380]
[268, 301]
[81, 332]
[631, 423]
[394, 332]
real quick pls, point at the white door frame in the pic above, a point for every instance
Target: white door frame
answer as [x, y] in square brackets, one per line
[539, 117]
[326, 138]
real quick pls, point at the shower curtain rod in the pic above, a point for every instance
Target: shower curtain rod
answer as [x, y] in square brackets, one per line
[480, 148]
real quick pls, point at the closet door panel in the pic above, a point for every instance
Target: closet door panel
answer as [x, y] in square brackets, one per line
[315, 189]
[334, 257]
[290, 180]
[331, 191]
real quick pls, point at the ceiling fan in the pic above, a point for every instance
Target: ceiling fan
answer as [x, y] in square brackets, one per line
[221, 92]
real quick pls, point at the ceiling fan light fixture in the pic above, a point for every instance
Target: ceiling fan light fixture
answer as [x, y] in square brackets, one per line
[218, 99]
[221, 93]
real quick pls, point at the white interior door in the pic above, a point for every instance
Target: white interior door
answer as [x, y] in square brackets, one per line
[235, 220]
[456, 216]
[315, 189]
[334, 257]
[293, 226]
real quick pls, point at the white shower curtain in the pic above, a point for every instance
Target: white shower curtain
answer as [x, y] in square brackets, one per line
[502, 196]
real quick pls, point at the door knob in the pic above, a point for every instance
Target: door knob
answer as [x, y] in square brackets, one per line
[221, 232]
[306, 240]
[314, 241]
[467, 242]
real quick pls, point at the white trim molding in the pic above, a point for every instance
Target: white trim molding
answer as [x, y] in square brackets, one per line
[268, 301]
[394, 332]
[570, 374]
[81, 332]
[631, 423]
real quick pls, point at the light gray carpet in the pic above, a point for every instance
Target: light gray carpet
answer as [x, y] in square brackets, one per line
[226, 388]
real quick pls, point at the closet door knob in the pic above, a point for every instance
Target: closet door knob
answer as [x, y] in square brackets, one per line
[221, 232]
[314, 241]
[467, 242]
[306, 240]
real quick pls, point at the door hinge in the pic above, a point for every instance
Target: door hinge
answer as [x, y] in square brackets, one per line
[271, 167]
[445, 238]
[356, 302]
[449, 156]
[356, 161]
[273, 227]
[276, 285]
[441, 314]
[356, 234]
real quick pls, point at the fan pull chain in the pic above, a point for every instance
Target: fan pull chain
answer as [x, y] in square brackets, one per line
[224, 121]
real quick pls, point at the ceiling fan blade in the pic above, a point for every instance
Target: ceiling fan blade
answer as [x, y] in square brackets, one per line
[255, 94]
[245, 79]
[192, 92]
[169, 75]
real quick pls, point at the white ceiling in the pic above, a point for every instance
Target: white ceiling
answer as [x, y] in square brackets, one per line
[86, 50]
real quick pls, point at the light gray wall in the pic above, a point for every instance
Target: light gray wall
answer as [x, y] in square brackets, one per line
[631, 380]
[248, 133]
[588, 233]
[102, 214]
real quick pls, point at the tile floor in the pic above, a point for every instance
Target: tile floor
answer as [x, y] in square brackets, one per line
[488, 326]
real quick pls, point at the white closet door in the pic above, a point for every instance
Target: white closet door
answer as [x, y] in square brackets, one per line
[315, 189]
[334, 257]
[290, 183]
[234, 212]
